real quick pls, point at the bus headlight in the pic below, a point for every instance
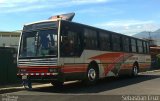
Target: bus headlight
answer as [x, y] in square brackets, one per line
[53, 70]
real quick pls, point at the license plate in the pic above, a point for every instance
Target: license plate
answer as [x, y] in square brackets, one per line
[24, 77]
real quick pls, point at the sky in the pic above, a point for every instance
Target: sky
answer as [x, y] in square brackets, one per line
[123, 16]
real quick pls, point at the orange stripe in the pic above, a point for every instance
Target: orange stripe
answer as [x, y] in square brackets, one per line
[127, 66]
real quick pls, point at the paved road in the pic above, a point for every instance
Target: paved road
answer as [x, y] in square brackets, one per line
[108, 89]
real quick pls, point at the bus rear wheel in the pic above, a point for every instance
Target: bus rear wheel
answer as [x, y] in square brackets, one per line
[135, 71]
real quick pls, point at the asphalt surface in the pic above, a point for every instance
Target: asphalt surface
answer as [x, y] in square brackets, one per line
[146, 86]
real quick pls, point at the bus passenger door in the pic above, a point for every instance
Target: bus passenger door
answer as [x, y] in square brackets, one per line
[72, 53]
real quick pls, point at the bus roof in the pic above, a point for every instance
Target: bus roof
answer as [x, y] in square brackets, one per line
[67, 17]
[51, 20]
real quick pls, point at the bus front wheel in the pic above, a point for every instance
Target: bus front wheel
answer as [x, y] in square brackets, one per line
[91, 75]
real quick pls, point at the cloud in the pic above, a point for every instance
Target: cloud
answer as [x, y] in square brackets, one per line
[129, 27]
[92, 10]
[69, 1]
[1, 1]
[125, 23]
[18, 1]
[88, 1]
[13, 6]
[9, 6]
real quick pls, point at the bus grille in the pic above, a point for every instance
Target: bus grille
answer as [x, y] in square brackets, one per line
[38, 62]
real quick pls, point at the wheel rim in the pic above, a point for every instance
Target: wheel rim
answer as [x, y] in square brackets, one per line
[91, 74]
[135, 70]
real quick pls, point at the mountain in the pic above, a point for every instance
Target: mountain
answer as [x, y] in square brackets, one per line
[143, 34]
[155, 35]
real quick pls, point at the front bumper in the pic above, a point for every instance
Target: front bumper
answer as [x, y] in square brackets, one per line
[40, 77]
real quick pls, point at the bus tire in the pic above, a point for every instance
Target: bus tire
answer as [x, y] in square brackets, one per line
[57, 84]
[135, 71]
[92, 75]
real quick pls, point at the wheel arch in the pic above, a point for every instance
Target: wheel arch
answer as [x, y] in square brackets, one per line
[136, 64]
[96, 66]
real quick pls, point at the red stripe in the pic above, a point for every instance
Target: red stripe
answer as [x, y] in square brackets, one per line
[74, 68]
[37, 69]
[65, 69]
[70, 70]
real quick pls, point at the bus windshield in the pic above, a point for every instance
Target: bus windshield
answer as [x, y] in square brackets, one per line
[39, 43]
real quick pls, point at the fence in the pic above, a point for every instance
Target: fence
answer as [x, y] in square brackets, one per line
[8, 69]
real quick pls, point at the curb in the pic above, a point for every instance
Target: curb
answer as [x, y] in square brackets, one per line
[150, 71]
[14, 89]
[10, 89]
[155, 70]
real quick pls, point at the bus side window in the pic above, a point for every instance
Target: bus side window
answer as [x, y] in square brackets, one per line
[105, 43]
[67, 44]
[133, 45]
[126, 44]
[144, 47]
[70, 43]
[90, 39]
[140, 46]
[116, 42]
[147, 47]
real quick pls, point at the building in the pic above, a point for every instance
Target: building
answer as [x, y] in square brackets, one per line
[155, 56]
[9, 39]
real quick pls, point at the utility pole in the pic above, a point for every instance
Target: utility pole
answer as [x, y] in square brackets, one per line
[149, 35]
[150, 39]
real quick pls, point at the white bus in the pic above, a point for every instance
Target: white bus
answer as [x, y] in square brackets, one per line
[58, 50]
